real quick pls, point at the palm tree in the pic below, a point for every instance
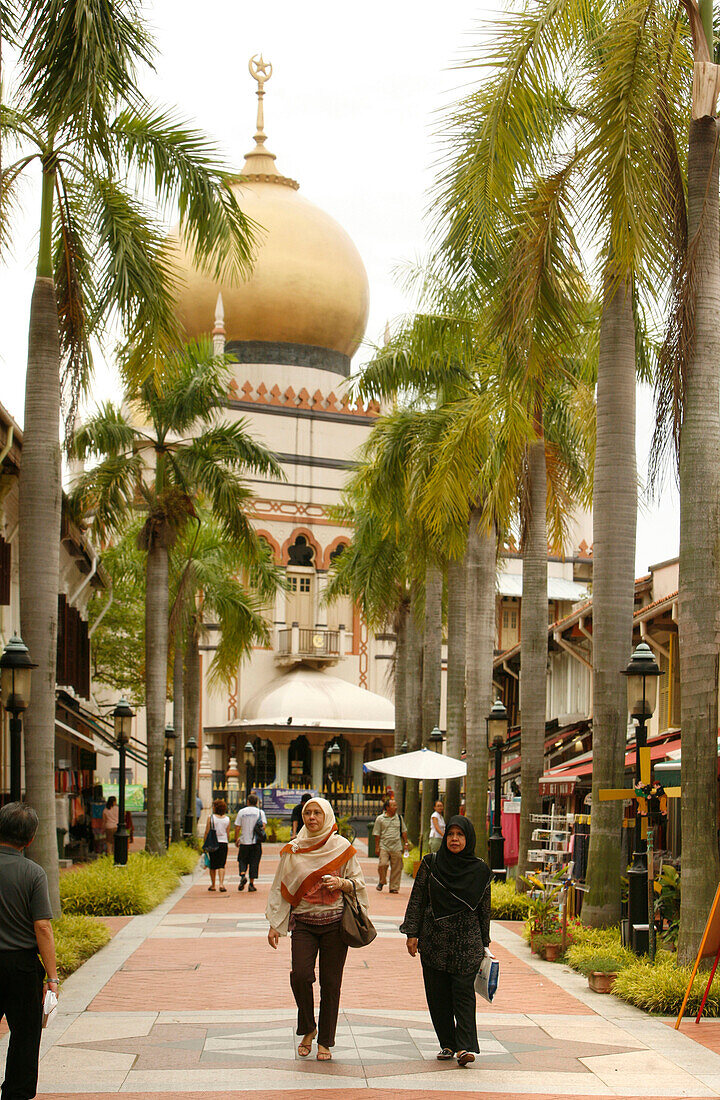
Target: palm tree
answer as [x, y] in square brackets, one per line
[689, 374]
[172, 451]
[80, 119]
[586, 87]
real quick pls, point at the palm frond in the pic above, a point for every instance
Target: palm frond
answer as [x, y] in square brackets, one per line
[74, 293]
[107, 433]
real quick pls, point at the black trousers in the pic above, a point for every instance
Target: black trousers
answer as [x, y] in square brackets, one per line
[249, 859]
[21, 986]
[451, 1000]
[307, 941]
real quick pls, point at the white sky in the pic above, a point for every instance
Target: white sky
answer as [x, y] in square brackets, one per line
[349, 112]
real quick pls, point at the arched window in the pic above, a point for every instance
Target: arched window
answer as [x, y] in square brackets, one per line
[301, 552]
[299, 763]
[344, 770]
[335, 554]
[373, 750]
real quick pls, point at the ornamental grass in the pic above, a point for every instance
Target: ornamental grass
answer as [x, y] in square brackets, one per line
[506, 903]
[659, 987]
[102, 889]
[76, 939]
[589, 958]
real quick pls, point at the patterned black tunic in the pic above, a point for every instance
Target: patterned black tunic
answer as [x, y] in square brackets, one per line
[455, 944]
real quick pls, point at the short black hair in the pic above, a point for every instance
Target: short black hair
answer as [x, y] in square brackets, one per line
[252, 800]
[305, 798]
[18, 824]
[111, 801]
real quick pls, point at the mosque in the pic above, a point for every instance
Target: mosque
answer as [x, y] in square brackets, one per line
[293, 328]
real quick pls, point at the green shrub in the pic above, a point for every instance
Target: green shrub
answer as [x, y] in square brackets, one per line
[608, 959]
[506, 903]
[76, 939]
[182, 858]
[409, 860]
[659, 988]
[102, 889]
[601, 938]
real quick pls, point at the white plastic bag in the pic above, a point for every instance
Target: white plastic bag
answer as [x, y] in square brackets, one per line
[486, 979]
[49, 1007]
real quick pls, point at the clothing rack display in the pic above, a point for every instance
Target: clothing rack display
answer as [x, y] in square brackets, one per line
[552, 834]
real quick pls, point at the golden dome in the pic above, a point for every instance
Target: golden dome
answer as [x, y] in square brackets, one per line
[308, 288]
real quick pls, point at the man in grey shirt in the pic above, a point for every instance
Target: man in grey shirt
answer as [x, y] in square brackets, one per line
[25, 931]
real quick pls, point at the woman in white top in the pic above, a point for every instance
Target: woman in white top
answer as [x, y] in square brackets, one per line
[316, 868]
[220, 822]
[437, 827]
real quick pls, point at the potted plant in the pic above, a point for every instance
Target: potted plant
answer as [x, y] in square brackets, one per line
[548, 945]
[600, 965]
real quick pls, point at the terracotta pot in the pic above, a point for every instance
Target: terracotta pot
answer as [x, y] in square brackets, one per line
[601, 982]
[551, 952]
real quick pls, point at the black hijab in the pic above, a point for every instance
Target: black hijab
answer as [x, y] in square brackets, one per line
[458, 880]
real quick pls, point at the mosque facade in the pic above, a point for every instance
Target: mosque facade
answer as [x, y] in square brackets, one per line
[293, 327]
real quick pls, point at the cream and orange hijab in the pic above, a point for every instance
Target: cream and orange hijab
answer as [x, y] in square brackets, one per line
[310, 856]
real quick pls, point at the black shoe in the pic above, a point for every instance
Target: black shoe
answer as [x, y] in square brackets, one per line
[252, 888]
[445, 1055]
[380, 886]
[241, 884]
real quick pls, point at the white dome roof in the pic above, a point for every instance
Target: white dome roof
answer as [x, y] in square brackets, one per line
[313, 698]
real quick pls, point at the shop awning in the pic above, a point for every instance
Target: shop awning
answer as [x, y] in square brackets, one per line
[563, 780]
[69, 734]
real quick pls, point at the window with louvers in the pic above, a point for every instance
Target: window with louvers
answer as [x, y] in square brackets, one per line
[73, 649]
[5, 570]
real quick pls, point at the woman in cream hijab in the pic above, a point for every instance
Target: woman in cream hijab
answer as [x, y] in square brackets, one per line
[316, 868]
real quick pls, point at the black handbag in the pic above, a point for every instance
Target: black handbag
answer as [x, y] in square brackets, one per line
[356, 930]
[259, 834]
[211, 842]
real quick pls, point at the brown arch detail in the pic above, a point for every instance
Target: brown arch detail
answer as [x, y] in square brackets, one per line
[333, 546]
[312, 541]
[273, 544]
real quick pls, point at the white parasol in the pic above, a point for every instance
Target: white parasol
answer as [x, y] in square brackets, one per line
[422, 764]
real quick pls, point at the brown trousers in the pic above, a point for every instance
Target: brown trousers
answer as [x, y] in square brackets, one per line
[395, 860]
[307, 941]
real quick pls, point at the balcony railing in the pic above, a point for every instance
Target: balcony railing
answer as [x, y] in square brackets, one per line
[298, 643]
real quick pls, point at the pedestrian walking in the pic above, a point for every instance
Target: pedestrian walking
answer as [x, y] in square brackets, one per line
[448, 921]
[390, 841]
[249, 834]
[25, 931]
[220, 822]
[110, 821]
[296, 821]
[437, 827]
[316, 869]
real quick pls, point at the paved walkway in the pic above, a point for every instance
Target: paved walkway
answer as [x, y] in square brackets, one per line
[191, 1001]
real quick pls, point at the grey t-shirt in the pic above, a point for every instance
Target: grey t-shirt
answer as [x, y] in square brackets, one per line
[24, 899]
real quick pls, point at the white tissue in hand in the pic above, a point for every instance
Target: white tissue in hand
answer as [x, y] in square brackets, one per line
[49, 1007]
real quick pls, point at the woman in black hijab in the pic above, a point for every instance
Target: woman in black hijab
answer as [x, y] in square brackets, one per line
[448, 921]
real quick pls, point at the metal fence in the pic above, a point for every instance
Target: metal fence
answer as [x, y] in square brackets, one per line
[345, 801]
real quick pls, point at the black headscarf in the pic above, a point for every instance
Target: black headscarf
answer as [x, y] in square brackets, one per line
[458, 880]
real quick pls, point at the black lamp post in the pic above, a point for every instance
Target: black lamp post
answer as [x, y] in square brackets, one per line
[333, 758]
[16, 668]
[497, 732]
[642, 675]
[122, 719]
[191, 749]
[169, 750]
[249, 758]
[435, 742]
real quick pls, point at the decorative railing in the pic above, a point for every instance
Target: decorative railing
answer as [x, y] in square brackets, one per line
[302, 643]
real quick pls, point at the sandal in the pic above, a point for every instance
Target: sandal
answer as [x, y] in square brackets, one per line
[464, 1057]
[223, 889]
[211, 889]
[324, 1056]
[304, 1048]
[445, 1055]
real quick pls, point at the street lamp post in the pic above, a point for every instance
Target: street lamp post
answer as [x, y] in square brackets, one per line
[497, 732]
[169, 750]
[15, 675]
[435, 742]
[122, 719]
[191, 748]
[249, 758]
[333, 758]
[642, 675]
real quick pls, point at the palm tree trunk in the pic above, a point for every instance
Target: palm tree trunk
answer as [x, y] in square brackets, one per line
[192, 704]
[401, 700]
[480, 560]
[39, 531]
[432, 681]
[156, 650]
[414, 706]
[533, 647]
[177, 771]
[699, 506]
[614, 521]
[456, 650]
